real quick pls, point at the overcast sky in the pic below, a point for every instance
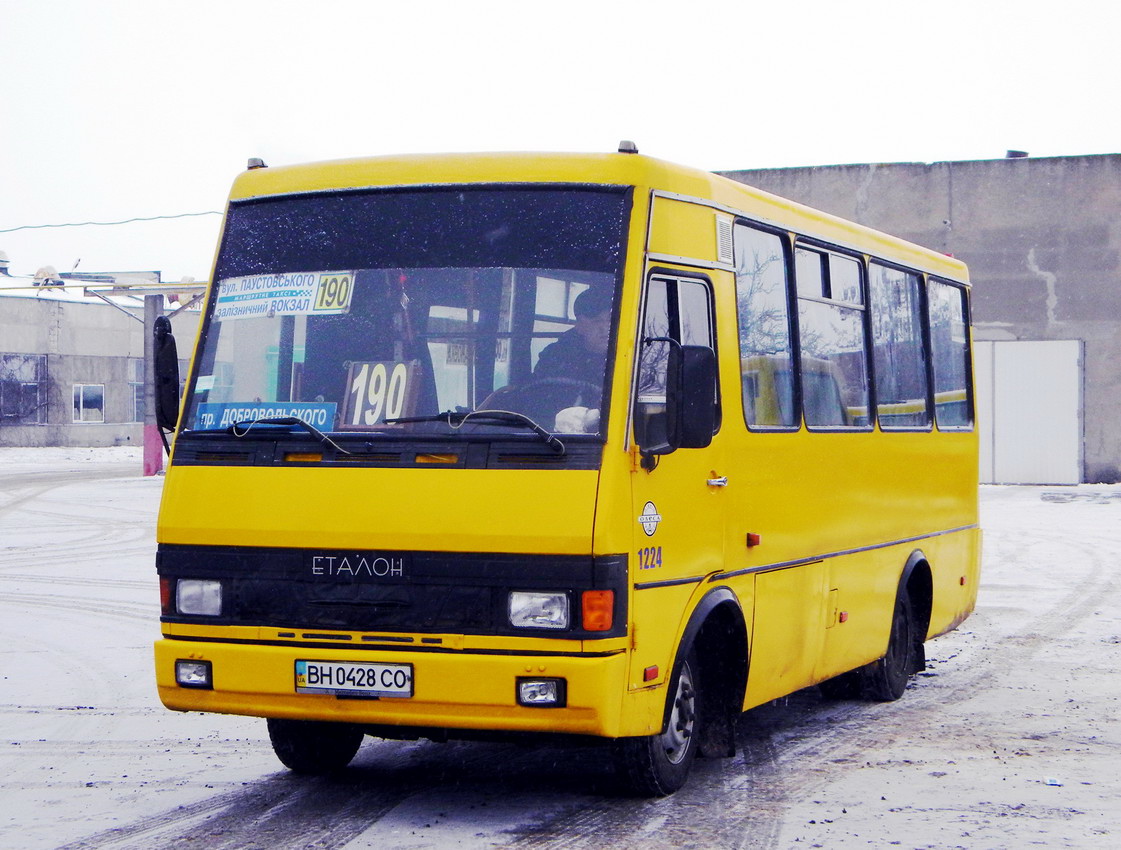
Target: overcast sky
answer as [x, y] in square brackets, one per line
[118, 109]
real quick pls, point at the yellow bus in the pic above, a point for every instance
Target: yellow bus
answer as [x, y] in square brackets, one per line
[511, 444]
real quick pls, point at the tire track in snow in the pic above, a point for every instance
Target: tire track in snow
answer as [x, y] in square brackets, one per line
[290, 812]
[108, 583]
[114, 609]
[282, 813]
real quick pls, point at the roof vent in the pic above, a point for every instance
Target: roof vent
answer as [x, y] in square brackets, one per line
[47, 276]
[627, 146]
[256, 162]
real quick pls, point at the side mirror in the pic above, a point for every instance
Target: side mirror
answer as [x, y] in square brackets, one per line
[692, 400]
[166, 375]
[684, 417]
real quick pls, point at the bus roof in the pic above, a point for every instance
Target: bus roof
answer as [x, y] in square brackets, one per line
[627, 169]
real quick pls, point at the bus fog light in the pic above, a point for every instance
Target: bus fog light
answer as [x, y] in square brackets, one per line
[542, 693]
[193, 674]
[537, 610]
[197, 596]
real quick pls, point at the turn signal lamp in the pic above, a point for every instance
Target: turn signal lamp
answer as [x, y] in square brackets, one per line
[598, 609]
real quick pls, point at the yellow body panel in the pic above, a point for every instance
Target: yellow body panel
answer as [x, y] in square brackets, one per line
[683, 230]
[837, 515]
[458, 510]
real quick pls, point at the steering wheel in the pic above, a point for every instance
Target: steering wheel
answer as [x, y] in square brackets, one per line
[541, 398]
[578, 386]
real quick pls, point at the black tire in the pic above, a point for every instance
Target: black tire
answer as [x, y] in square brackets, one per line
[657, 765]
[886, 679]
[312, 747]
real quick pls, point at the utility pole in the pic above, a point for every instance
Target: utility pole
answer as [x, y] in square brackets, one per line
[153, 445]
[153, 309]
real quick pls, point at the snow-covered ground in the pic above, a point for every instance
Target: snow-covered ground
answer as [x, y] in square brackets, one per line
[84, 743]
[1010, 739]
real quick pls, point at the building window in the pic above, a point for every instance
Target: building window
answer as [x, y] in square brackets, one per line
[136, 386]
[137, 402]
[89, 402]
[23, 389]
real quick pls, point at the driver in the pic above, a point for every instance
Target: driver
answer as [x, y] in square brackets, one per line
[577, 358]
[580, 353]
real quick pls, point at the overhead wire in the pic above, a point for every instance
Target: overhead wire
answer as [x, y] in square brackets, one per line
[107, 223]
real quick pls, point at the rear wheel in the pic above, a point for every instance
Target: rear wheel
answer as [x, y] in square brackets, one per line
[657, 765]
[886, 679]
[313, 747]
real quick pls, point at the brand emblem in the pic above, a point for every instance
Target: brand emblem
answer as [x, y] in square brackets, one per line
[357, 566]
[649, 519]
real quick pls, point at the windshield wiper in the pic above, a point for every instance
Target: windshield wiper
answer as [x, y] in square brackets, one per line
[242, 429]
[456, 419]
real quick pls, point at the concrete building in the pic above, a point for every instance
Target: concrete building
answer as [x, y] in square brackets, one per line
[72, 367]
[1042, 238]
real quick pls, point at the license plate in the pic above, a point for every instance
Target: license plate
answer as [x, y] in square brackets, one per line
[354, 678]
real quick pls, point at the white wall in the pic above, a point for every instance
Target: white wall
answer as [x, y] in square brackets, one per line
[1029, 411]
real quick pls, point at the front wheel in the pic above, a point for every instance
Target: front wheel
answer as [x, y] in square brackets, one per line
[314, 747]
[657, 765]
[886, 679]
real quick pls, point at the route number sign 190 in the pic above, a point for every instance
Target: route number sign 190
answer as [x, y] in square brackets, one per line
[377, 391]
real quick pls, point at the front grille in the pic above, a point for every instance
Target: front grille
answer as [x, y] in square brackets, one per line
[306, 590]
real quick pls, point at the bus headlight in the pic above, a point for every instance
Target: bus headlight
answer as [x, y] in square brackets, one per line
[198, 596]
[538, 610]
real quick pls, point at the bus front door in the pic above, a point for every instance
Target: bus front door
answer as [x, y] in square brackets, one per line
[678, 498]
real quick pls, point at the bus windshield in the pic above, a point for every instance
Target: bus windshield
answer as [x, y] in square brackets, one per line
[394, 311]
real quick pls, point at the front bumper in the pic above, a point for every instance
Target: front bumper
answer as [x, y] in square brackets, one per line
[452, 689]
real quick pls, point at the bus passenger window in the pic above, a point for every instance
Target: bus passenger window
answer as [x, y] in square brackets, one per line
[897, 346]
[764, 329]
[949, 342]
[831, 324]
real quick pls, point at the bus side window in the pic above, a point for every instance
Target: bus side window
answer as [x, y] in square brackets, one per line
[949, 343]
[831, 326]
[764, 329]
[898, 349]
